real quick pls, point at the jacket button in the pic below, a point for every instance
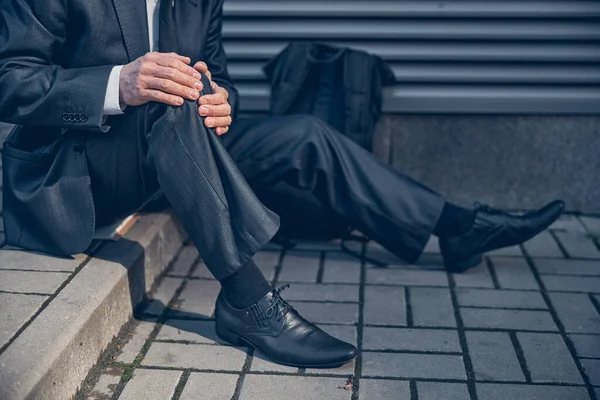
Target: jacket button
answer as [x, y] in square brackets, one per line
[84, 117]
[77, 148]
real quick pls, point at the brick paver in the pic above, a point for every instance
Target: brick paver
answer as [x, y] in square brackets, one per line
[514, 273]
[576, 312]
[385, 305]
[578, 245]
[192, 331]
[428, 366]
[494, 357]
[154, 384]
[525, 325]
[568, 267]
[548, 358]
[292, 387]
[543, 245]
[160, 299]
[440, 390]
[568, 223]
[215, 358]
[420, 340]
[494, 391]
[207, 386]
[431, 307]
[323, 293]
[500, 299]
[106, 386]
[137, 340]
[592, 369]
[586, 345]
[588, 284]
[197, 299]
[328, 313]
[406, 277]
[384, 389]
[340, 268]
[478, 277]
[525, 320]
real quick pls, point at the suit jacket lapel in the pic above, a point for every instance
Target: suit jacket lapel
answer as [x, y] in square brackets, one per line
[134, 26]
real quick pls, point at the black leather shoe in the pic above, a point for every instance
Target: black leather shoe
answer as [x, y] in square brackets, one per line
[276, 329]
[494, 229]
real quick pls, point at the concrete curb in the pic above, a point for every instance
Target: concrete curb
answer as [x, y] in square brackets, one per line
[53, 355]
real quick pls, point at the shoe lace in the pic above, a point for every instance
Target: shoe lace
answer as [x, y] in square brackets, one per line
[278, 306]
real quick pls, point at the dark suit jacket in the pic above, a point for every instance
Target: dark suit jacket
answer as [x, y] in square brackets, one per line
[55, 60]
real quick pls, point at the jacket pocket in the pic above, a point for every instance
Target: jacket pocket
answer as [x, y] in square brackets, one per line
[23, 172]
[47, 200]
[43, 159]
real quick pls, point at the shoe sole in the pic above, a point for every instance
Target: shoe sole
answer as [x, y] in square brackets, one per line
[236, 340]
[477, 259]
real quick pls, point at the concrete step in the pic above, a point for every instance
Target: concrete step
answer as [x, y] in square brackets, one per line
[51, 354]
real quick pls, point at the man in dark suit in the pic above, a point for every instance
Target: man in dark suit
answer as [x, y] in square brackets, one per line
[114, 100]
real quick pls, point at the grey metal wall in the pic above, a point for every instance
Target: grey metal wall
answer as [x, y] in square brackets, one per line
[453, 56]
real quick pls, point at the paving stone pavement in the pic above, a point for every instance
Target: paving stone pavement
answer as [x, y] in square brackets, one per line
[524, 325]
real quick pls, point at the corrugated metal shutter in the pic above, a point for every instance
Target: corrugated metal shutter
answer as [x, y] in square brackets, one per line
[495, 56]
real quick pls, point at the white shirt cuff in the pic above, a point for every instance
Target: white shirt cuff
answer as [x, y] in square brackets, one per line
[111, 101]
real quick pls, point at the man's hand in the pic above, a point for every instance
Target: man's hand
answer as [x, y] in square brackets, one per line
[214, 106]
[163, 77]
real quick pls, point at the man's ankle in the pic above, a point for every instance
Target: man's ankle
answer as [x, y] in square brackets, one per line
[454, 221]
[245, 286]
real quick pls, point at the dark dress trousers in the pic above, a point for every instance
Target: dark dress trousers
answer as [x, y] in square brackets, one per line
[64, 171]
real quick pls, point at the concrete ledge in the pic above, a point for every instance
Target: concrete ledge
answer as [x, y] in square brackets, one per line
[53, 355]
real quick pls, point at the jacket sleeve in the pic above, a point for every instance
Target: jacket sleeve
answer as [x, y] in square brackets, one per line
[34, 88]
[215, 59]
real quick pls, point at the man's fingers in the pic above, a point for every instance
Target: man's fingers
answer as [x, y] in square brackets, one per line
[170, 87]
[162, 97]
[164, 60]
[215, 122]
[222, 130]
[221, 110]
[201, 66]
[184, 59]
[155, 55]
[219, 89]
[215, 98]
[203, 69]
[177, 76]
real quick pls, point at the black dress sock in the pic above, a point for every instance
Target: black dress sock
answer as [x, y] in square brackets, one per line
[245, 286]
[454, 221]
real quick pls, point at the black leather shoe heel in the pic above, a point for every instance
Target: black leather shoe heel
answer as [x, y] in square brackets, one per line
[230, 337]
[274, 328]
